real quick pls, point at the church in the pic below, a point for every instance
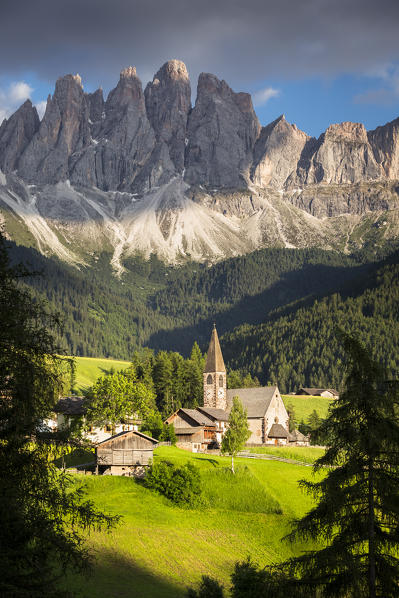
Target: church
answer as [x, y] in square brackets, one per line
[203, 427]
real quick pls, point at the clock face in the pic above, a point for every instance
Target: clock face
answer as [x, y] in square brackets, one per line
[209, 393]
[220, 393]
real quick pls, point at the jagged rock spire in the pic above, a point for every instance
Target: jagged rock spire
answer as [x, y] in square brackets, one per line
[214, 360]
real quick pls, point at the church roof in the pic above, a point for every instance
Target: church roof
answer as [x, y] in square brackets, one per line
[255, 400]
[278, 431]
[214, 360]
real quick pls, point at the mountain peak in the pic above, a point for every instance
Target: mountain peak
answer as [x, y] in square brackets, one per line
[129, 72]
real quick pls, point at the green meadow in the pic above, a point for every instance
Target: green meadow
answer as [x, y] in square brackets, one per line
[304, 405]
[88, 369]
[159, 549]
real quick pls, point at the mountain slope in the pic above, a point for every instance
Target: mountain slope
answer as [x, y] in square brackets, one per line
[297, 345]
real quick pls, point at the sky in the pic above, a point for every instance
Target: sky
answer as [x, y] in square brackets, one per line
[316, 61]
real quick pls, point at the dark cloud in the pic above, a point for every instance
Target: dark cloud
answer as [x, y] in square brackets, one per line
[242, 41]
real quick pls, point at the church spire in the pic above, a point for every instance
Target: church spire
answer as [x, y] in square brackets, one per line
[215, 391]
[214, 360]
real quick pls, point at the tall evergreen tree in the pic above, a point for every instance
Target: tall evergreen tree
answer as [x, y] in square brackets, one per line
[41, 515]
[357, 514]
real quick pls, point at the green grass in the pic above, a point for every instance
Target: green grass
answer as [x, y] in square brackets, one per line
[306, 454]
[159, 549]
[303, 406]
[88, 369]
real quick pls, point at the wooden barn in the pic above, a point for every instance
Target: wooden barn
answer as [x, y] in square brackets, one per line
[126, 453]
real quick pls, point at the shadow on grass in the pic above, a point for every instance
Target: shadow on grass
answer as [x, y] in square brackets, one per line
[211, 461]
[116, 576]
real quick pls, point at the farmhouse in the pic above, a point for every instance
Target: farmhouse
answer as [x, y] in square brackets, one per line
[71, 411]
[126, 453]
[203, 427]
[329, 393]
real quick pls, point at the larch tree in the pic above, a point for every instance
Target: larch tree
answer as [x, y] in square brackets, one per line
[237, 432]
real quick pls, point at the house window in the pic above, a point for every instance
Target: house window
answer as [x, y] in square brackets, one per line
[108, 428]
[220, 380]
[209, 379]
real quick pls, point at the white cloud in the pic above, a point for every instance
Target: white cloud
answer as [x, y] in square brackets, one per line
[261, 97]
[387, 92]
[19, 92]
[12, 97]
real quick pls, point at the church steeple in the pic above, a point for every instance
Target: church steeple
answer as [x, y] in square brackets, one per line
[215, 375]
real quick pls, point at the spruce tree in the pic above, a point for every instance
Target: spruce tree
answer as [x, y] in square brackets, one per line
[357, 513]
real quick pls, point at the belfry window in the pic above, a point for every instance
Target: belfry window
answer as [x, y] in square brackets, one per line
[209, 379]
[220, 380]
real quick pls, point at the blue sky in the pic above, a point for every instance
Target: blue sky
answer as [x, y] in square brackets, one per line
[317, 61]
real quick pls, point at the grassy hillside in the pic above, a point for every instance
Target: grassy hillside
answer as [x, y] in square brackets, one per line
[159, 549]
[88, 369]
[303, 406]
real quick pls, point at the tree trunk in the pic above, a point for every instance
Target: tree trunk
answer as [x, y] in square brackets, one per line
[232, 463]
[371, 530]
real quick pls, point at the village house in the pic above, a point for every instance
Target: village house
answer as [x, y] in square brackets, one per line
[127, 454]
[203, 427]
[71, 410]
[329, 393]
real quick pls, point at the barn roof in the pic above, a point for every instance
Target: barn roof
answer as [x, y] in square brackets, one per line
[297, 436]
[200, 418]
[70, 406]
[189, 431]
[127, 433]
[278, 431]
[214, 359]
[255, 400]
[317, 391]
[218, 414]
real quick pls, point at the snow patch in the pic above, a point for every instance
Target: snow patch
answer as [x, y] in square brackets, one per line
[3, 180]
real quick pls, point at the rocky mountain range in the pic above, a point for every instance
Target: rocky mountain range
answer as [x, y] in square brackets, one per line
[145, 171]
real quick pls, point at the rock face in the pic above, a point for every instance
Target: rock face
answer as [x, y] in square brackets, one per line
[145, 172]
[15, 134]
[124, 143]
[222, 131]
[168, 102]
[343, 155]
[63, 131]
[277, 152]
[385, 143]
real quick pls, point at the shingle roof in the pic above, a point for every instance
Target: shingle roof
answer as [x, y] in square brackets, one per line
[297, 436]
[70, 406]
[277, 431]
[317, 391]
[126, 433]
[255, 400]
[218, 414]
[197, 416]
[214, 360]
[189, 431]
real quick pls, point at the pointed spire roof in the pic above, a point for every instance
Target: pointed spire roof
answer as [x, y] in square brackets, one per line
[214, 360]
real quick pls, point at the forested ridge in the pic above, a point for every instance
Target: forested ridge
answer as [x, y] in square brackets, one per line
[297, 346]
[276, 309]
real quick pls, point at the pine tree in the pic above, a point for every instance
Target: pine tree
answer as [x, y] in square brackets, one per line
[357, 515]
[238, 431]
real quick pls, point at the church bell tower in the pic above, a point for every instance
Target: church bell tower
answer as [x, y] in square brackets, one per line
[215, 395]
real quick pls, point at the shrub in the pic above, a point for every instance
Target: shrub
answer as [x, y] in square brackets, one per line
[180, 483]
[208, 588]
